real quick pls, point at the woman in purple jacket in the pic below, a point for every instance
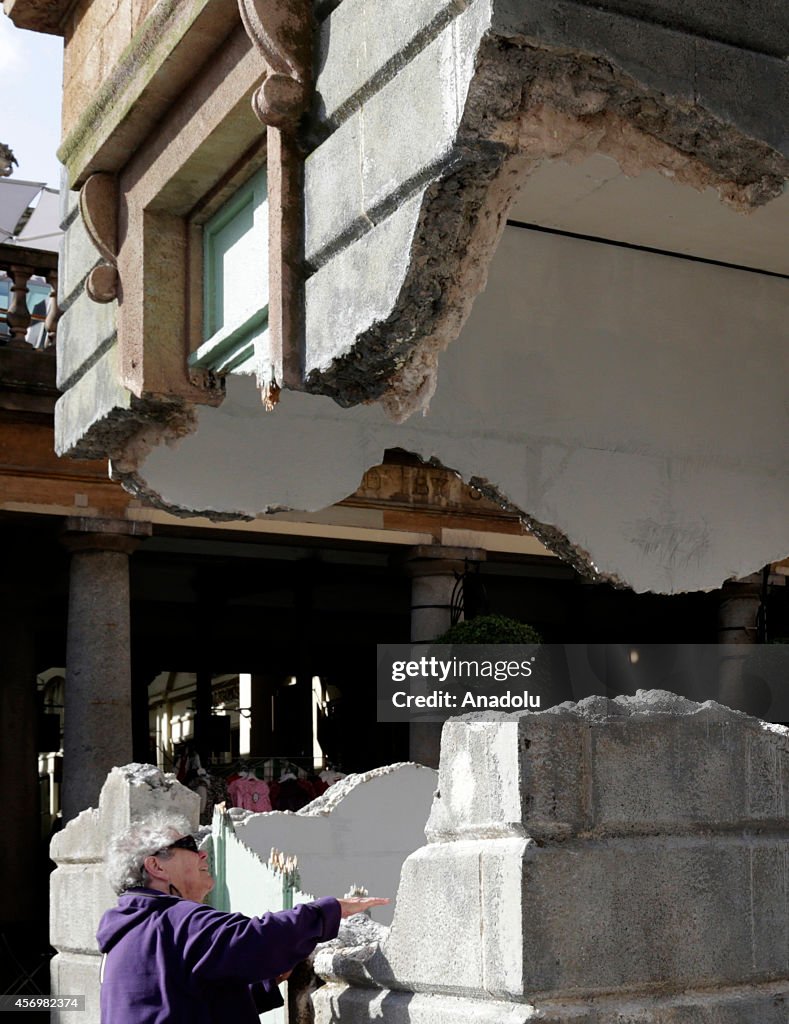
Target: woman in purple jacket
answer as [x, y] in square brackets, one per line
[169, 959]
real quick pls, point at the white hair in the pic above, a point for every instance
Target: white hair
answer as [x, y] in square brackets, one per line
[127, 851]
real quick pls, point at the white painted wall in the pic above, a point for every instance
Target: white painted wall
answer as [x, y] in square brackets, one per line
[635, 401]
[377, 820]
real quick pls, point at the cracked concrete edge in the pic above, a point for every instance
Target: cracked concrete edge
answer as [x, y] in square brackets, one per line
[503, 137]
[130, 432]
[549, 535]
[133, 483]
[552, 537]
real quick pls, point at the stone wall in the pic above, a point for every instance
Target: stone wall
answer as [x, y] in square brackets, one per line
[96, 32]
[79, 891]
[604, 862]
[88, 370]
[428, 128]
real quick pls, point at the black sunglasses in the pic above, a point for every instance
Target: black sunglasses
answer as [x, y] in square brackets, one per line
[184, 843]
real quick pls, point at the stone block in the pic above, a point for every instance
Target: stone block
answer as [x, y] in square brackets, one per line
[362, 1005]
[761, 26]
[439, 895]
[358, 286]
[392, 33]
[611, 768]
[628, 915]
[401, 135]
[687, 775]
[69, 199]
[81, 841]
[76, 974]
[660, 58]
[84, 328]
[79, 895]
[78, 256]
[89, 401]
[409, 126]
[532, 779]
[745, 89]
[585, 918]
[333, 204]
[136, 790]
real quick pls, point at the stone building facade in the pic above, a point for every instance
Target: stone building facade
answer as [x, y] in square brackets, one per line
[625, 163]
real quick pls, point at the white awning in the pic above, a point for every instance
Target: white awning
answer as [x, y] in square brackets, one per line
[42, 231]
[15, 197]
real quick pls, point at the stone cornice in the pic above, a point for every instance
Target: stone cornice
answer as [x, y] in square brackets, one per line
[46, 16]
[154, 69]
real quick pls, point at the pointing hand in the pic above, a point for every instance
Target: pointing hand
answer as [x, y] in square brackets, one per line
[351, 905]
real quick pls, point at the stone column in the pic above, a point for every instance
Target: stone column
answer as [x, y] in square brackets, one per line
[434, 570]
[737, 630]
[98, 716]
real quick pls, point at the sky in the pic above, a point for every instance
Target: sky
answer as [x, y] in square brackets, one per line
[31, 76]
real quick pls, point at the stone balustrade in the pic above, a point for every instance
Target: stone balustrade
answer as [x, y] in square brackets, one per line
[28, 273]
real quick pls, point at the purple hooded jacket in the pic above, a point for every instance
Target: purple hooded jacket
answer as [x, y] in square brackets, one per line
[170, 960]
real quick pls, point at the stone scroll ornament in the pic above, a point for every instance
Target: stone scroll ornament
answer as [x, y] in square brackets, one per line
[98, 204]
[282, 33]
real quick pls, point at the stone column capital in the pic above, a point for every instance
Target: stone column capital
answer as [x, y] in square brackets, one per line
[82, 533]
[438, 560]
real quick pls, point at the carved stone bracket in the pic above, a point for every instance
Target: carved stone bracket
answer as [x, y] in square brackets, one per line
[282, 32]
[98, 204]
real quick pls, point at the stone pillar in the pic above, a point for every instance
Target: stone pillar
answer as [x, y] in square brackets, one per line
[98, 716]
[737, 631]
[19, 850]
[434, 571]
[79, 892]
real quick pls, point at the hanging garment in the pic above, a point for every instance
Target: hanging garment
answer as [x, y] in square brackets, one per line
[290, 795]
[250, 794]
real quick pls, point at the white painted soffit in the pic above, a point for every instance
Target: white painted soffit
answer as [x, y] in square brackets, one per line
[633, 401]
[596, 198]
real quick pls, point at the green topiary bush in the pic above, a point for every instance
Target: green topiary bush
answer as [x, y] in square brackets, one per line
[489, 629]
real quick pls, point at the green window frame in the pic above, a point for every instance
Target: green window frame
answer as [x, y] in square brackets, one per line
[235, 283]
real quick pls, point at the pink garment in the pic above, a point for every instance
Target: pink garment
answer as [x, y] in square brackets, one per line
[250, 794]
